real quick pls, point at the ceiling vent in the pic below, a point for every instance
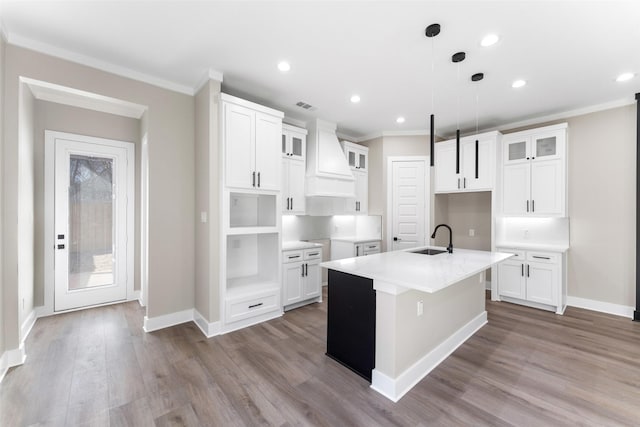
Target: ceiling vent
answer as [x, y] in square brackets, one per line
[306, 106]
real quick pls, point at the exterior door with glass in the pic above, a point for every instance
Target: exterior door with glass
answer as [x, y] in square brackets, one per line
[93, 208]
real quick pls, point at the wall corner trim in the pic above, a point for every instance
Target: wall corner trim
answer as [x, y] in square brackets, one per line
[209, 329]
[167, 320]
[11, 358]
[395, 388]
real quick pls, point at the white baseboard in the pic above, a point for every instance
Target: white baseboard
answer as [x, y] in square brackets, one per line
[394, 389]
[167, 320]
[603, 307]
[135, 296]
[27, 325]
[209, 329]
[11, 358]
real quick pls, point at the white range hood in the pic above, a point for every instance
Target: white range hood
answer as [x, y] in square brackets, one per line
[328, 172]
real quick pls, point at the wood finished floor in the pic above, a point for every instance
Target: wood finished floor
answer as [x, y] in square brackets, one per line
[526, 368]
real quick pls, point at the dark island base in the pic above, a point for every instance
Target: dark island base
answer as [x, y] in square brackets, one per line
[351, 322]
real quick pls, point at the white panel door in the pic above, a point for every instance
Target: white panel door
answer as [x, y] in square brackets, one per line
[547, 187]
[515, 188]
[286, 198]
[93, 220]
[312, 281]
[239, 146]
[541, 283]
[484, 180]
[511, 280]
[296, 187]
[293, 275]
[408, 204]
[446, 179]
[268, 134]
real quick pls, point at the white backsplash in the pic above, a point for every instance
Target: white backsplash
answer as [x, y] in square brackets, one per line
[298, 227]
[544, 231]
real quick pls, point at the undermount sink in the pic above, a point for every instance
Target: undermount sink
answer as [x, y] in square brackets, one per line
[429, 251]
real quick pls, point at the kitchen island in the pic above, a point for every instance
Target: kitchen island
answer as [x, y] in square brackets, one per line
[393, 317]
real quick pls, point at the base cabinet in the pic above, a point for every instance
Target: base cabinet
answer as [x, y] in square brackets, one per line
[341, 249]
[302, 277]
[533, 278]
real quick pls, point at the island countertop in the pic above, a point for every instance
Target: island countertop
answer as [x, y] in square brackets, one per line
[426, 273]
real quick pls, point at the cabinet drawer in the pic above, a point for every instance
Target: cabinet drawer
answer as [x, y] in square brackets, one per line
[517, 254]
[372, 247]
[545, 257]
[291, 256]
[310, 254]
[243, 308]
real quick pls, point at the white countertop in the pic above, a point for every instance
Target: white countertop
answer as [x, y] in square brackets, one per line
[295, 244]
[356, 239]
[534, 246]
[426, 273]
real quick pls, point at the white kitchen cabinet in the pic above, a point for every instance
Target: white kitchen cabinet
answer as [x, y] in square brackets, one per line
[358, 159]
[302, 277]
[533, 278]
[294, 142]
[293, 199]
[251, 138]
[349, 248]
[534, 172]
[476, 171]
[357, 155]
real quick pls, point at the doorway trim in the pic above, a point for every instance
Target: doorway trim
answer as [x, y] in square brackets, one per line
[49, 209]
[428, 202]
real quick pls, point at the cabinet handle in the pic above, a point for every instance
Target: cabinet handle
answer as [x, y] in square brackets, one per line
[357, 251]
[302, 270]
[306, 270]
[458, 183]
[527, 270]
[522, 270]
[293, 256]
[258, 179]
[527, 206]
[292, 203]
[256, 305]
[541, 257]
[287, 203]
[314, 254]
[464, 182]
[372, 247]
[533, 206]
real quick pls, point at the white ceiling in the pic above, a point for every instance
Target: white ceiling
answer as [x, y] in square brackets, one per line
[570, 52]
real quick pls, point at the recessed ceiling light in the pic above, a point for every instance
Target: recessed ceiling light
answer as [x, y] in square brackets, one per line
[284, 66]
[400, 120]
[624, 77]
[355, 99]
[489, 39]
[518, 83]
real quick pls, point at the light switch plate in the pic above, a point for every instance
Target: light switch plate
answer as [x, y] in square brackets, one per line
[203, 217]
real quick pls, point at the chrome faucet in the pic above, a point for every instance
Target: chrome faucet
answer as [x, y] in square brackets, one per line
[433, 236]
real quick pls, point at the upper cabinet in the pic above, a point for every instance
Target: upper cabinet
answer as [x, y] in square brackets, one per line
[471, 167]
[294, 142]
[294, 147]
[358, 158]
[534, 172]
[251, 135]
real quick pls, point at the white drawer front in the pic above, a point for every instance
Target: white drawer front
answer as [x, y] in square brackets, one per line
[545, 257]
[372, 247]
[517, 255]
[310, 254]
[243, 308]
[292, 256]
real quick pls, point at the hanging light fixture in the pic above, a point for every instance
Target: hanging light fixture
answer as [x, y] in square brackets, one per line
[476, 78]
[457, 58]
[432, 31]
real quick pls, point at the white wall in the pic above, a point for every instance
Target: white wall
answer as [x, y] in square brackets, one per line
[3, 323]
[170, 128]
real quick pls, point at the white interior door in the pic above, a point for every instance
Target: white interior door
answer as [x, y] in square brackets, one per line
[408, 207]
[93, 217]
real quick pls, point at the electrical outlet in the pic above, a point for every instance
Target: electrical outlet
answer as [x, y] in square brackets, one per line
[472, 232]
[420, 308]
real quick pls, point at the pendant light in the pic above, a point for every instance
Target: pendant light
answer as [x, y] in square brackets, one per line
[457, 58]
[432, 31]
[476, 78]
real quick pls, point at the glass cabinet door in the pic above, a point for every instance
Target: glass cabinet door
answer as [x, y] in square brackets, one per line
[546, 146]
[362, 161]
[516, 151]
[296, 146]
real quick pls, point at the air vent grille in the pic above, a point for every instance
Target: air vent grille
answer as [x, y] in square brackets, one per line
[306, 106]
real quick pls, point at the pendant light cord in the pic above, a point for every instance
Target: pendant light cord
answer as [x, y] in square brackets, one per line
[433, 76]
[477, 104]
[458, 109]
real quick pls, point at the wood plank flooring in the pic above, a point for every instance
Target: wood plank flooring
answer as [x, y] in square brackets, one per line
[525, 368]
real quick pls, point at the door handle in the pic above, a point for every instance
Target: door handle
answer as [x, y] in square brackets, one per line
[527, 206]
[258, 179]
[458, 183]
[528, 270]
[253, 182]
[395, 239]
[288, 203]
[306, 270]
[522, 270]
[464, 182]
[302, 270]
[533, 205]
[292, 203]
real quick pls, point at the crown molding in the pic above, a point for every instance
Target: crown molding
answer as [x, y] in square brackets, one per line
[421, 132]
[47, 49]
[211, 74]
